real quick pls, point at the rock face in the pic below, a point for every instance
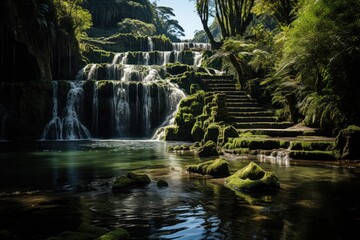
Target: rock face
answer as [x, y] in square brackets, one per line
[347, 143]
[130, 180]
[217, 168]
[253, 178]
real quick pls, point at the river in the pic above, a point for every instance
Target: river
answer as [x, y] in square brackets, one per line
[51, 186]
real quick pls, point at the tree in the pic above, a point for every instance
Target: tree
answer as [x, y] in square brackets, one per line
[320, 60]
[136, 27]
[284, 11]
[166, 24]
[233, 17]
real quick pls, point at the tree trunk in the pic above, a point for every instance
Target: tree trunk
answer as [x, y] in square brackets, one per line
[238, 68]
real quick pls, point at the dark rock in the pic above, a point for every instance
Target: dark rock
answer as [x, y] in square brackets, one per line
[347, 143]
[161, 183]
[208, 150]
[131, 180]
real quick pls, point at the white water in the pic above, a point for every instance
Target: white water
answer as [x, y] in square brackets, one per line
[68, 127]
[151, 44]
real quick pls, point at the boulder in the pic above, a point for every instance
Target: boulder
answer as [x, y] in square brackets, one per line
[209, 149]
[347, 143]
[253, 178]
[131, 180]
[161, 183]
[217, 168]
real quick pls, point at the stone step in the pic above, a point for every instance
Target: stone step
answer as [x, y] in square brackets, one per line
[222, 89]
[259, 125]
[251, 114]
[216, 77]
[218, 81]
[253, 119]
[274, 132]
[242, 104]
[237, 96]
[244, 109]
[221, 85]
[245, 100]
[229, 92]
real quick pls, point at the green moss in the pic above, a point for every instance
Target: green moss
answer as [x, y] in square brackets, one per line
[209, 149]
[212, 133]
[118, 234]
[131, 180]
[197, 132]
[311, 146]
[216, 168]
[253, 178]
[347, 143]
[264, 144]
[312, 155]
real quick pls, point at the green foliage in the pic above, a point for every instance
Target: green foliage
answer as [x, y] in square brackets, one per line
[72, 12]
[319, 63]
[137, 27]
[166, 24]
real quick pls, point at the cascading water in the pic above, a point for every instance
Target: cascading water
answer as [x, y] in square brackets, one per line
[68, 126]
[126, 98]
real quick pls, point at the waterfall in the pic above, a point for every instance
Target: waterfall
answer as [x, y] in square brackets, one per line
[92, 72]
[150, 44]
[126, 98]
[72, 127]
[197, 58]
[69, 127]
[53, 130]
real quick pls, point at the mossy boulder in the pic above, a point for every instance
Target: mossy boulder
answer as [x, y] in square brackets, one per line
[117, 234]
[212, 133]
[197, 132]
[209, 149]
[312, 145]
[217, 168]
[253, 178]
[347, 143]
[130, 180]
[312, 155]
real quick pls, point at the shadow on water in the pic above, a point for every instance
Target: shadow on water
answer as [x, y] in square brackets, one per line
[71, 183]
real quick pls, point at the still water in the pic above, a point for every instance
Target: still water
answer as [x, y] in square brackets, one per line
[50, 187]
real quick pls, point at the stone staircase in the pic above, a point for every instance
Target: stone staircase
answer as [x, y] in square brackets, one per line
[245, 113]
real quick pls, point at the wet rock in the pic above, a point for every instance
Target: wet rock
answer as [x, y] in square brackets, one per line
[131, 180]
[217, 168]
[253, 178]
[161, 183]
[118, 234]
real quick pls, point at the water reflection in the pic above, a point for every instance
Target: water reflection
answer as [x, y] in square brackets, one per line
[314, 202]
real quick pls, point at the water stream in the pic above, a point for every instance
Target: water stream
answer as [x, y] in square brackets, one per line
[314, 202]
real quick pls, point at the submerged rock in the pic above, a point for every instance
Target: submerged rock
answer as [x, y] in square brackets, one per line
[118, 234]
[217, 168]
[253, 178]
[161, 183]
[131, 180]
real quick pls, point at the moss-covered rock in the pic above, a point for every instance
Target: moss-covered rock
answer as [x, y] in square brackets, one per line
[217, 168]
[209, 149]
[253, 178]
[347, 143]
[312, 146]
[212, 133]
[131, 180]
[312, 155]
[117, 234]
[264, 144]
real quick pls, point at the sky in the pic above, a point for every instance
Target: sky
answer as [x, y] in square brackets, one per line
[186, 15]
